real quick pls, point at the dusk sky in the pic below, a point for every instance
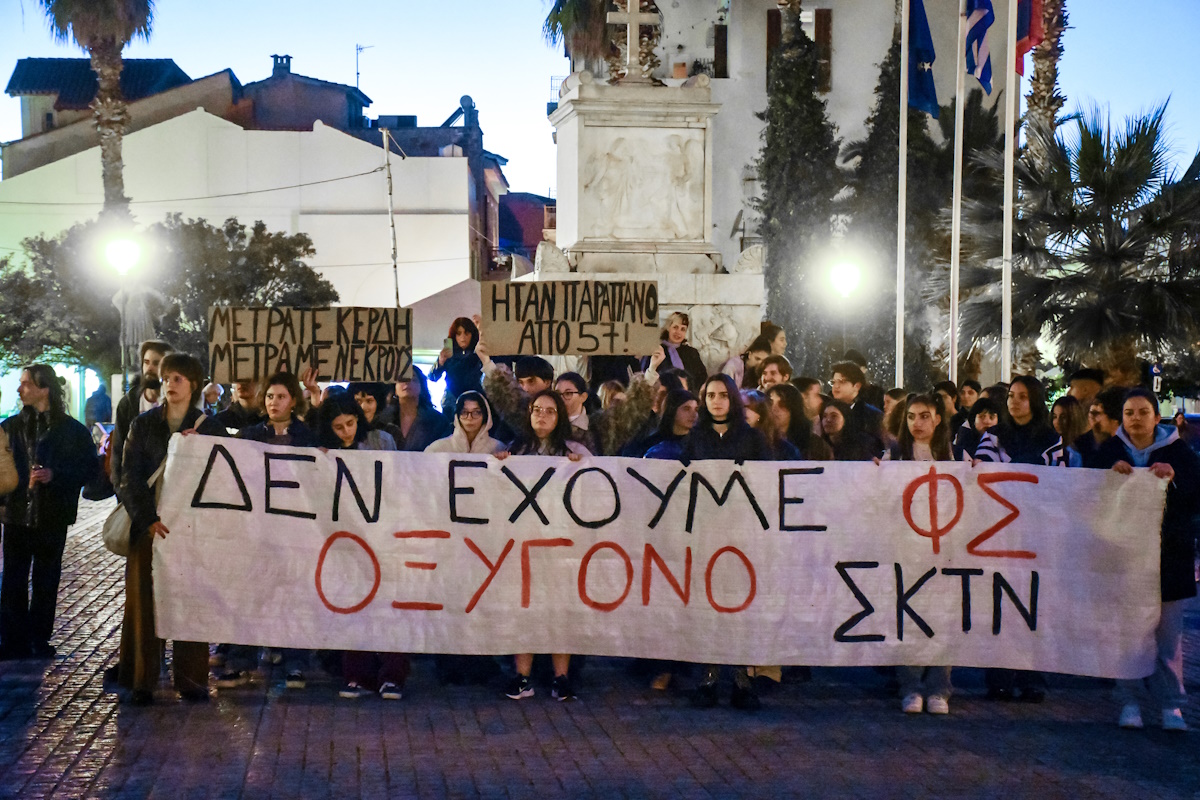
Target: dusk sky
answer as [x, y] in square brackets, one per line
[424, 56]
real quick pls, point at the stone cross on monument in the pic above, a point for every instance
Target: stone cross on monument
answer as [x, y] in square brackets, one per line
[633, 18]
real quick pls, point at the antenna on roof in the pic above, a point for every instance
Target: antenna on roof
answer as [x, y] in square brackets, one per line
[358, 48]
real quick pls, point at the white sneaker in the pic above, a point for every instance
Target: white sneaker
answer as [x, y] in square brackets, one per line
[936, 704]
[1173, 720]
[352, 691]
[1131, 717]
[912, 704]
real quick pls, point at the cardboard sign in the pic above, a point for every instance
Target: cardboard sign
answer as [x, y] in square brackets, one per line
[343, 343]
[558, 318]
[820, 563]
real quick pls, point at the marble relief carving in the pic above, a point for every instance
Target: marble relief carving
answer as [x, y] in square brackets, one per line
[646, 187]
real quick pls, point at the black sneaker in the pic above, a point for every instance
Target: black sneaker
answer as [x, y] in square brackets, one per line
[520, 688]
[560, 690]
[705, 696]
[232, 679]
[744, 699]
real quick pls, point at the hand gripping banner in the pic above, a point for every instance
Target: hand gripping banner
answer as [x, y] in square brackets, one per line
[760, 563]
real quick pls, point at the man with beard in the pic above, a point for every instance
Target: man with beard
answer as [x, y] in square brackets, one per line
[135, 403]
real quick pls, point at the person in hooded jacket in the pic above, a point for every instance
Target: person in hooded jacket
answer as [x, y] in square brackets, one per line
[1142, 442]
[473, 422]
[459, 363]
[472, 428]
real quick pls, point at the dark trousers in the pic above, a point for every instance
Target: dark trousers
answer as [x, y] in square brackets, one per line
[372, 670]
[27, 618]
[141, 649]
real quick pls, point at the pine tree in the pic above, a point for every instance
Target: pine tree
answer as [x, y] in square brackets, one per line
[872, 228]
[798, 171]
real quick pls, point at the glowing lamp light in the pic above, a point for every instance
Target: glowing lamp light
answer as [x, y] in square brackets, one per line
[845, 278]
[123, 255]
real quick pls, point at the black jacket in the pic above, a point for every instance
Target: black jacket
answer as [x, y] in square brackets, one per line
[740, 443]
[1027, 444]
[234, 419]
[463, 371]
[65, 446]
[867, 420]
[145, 449]
[1088, 448]
[298, 434]
[128, 407]
[1177, 568]
[429, 426]
[693, 365]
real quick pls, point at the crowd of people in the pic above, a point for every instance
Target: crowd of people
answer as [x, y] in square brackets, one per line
[665, 407]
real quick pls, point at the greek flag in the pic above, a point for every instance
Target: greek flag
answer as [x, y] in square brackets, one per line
[980, 17]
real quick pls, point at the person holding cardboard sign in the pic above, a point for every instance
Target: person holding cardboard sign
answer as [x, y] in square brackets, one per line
[678, 353]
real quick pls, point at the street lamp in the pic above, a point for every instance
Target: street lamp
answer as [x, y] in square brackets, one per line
[123, 255]
[845, 277]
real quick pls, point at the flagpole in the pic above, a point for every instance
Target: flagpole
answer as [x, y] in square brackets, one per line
[956, 207]
[1010, 155]
[901, 210]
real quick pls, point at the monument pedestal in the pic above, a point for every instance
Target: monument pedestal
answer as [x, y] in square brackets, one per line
[635, 203]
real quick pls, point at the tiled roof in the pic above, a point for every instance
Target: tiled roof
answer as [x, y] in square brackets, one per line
[73, 80]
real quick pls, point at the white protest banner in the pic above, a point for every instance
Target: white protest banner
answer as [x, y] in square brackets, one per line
[342, 343]
[765, 563]
[559, 318]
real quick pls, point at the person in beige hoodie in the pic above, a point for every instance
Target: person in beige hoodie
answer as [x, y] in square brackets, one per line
[472, 427]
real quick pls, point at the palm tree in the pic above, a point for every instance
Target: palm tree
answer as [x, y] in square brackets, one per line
[1107, 252]
[1045, 101]
[103, 28]
[582, 25]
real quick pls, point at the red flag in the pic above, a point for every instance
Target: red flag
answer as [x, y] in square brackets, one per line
[1030, 30]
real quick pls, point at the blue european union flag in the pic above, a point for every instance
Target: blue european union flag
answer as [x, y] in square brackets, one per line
[921, 92]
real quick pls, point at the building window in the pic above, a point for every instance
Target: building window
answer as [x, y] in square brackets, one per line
[49, 121]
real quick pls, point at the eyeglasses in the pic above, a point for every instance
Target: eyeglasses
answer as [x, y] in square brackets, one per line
[473, 414]
[539, 411]
[570, 393]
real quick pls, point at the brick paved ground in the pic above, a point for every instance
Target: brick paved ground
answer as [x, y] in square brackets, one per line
[841, 735]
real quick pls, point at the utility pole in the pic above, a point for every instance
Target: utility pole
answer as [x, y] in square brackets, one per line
[358, 48]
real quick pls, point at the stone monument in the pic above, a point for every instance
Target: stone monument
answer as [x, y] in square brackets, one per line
[635, 193]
